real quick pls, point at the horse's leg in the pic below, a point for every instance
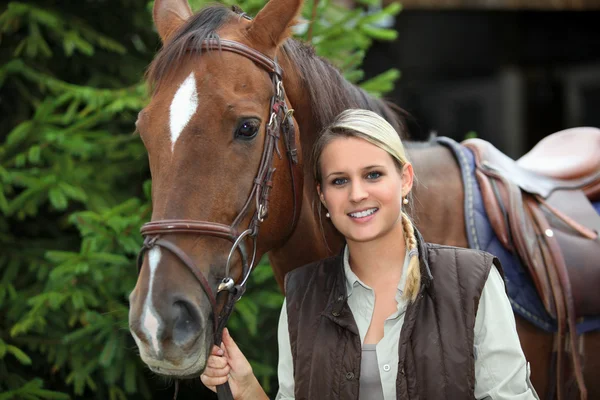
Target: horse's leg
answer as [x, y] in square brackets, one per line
[537, 346]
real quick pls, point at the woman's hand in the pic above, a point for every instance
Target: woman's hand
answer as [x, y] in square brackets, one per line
[228, 363]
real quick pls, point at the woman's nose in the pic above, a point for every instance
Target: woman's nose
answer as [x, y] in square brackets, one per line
[358, 193]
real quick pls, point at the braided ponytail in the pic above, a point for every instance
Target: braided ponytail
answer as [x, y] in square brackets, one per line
[413, 279]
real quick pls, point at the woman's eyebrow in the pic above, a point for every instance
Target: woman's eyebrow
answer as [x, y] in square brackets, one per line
[334, 173]
[368, 167]
[372, 166]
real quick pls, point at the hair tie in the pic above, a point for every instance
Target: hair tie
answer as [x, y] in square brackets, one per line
[412, 253]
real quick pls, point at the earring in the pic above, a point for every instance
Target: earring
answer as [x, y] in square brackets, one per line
[405, 201]
[327, 215]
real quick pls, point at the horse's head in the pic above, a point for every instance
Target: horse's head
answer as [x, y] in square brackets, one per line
[216, 130]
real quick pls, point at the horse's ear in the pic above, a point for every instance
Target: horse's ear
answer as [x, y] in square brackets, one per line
[272, 24]
[169, 15]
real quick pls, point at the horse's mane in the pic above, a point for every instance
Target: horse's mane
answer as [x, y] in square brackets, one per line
[330, 93]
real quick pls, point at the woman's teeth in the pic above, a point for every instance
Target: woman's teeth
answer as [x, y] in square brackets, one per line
[362, 214]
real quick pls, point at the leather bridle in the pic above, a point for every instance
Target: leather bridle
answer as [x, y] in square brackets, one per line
[280, 125]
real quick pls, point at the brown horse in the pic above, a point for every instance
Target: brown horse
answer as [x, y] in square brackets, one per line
[204, 130]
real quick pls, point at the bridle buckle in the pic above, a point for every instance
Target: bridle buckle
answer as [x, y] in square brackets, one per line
[262, 213]
[226, 284]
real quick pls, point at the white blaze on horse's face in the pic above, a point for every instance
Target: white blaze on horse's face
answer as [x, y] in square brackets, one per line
[183, 107]
[150, 323]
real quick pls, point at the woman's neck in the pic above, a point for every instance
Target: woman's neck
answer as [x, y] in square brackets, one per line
[379, 260]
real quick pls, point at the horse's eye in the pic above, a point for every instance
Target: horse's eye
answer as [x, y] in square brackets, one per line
[247, 129]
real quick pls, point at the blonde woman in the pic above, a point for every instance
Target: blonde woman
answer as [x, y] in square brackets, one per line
[391, 316]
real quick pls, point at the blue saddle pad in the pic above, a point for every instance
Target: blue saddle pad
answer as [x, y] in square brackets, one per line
[520, 288]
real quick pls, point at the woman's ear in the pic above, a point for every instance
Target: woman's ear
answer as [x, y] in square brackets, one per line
[408, 176]
[321, 196]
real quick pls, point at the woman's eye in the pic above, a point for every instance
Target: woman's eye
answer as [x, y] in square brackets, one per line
[339, 181]
[247, 129]
[373, 175]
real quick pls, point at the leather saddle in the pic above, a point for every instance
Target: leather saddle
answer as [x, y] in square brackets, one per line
[544, 213]
[540, 208]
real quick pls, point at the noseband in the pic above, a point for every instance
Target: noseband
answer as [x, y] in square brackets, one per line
[280, 124]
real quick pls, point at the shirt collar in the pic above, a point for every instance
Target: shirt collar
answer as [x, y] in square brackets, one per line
[352, 280]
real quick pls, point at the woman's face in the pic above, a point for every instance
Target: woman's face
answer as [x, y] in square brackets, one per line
[362, 188]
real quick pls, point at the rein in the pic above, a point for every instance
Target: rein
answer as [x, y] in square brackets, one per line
[280, 125]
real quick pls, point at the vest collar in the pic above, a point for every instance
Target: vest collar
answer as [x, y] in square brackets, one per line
[337, 308]
[426, 277]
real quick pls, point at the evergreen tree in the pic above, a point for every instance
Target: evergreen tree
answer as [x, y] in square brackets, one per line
[74, 190]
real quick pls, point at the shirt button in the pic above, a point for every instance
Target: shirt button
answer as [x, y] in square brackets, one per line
[386, 367]
[335, 313]
[350, 375]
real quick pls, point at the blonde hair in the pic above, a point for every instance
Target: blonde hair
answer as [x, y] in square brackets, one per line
[369, 126]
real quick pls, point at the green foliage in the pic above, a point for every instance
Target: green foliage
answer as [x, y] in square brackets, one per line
[71, 201]
[74, 191]
[343, 37]
[339, 35]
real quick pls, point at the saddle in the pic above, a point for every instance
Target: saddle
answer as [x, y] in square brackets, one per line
[540, 209]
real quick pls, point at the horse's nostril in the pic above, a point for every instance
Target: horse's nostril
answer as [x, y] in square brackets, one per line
[186, 322]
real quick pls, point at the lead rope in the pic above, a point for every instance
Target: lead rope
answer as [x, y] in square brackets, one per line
[176, 389]
[224, 390]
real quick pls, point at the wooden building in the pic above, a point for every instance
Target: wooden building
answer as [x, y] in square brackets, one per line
[519, 5]
[512, 71]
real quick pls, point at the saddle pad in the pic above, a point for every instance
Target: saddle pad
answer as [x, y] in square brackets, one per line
[520, 288]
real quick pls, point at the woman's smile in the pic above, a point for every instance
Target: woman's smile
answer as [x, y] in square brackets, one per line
[364, 215]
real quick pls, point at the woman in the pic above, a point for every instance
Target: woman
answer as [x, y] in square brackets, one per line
[391, 316]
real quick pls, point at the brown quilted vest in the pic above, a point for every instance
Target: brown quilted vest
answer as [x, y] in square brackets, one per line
[436, 358]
